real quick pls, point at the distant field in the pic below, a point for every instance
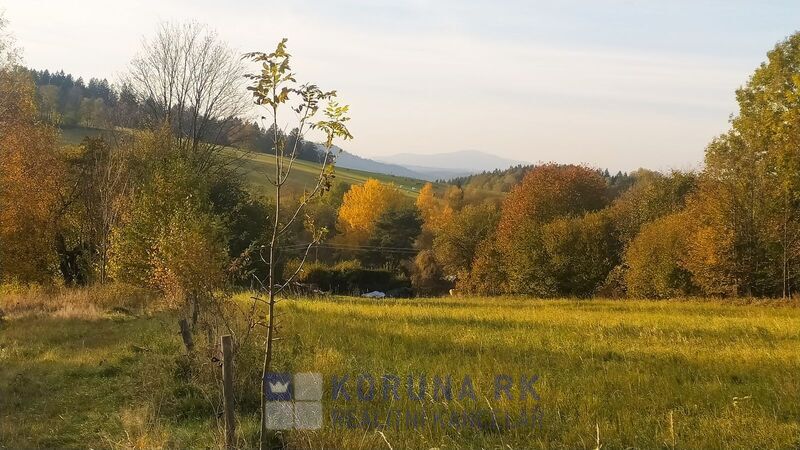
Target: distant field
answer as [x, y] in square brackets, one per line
[74, 135]
[621, 374]
[255, 167]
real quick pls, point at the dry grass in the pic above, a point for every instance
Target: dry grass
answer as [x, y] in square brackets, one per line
[90, 303]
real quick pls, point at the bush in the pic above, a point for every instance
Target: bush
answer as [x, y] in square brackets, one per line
[426, 275]
[348, 277]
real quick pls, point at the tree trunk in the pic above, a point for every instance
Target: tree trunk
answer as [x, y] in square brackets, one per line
[186, 335]
[271, 289]
[194, 303]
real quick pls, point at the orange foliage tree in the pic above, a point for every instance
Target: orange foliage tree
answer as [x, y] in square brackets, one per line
[547, 192]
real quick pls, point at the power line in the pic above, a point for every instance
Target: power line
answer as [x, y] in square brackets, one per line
[407, 250]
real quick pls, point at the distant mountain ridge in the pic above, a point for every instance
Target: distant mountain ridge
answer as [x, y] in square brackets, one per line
[348, 160]
[433, 173]
[439, 166]
[460, 162]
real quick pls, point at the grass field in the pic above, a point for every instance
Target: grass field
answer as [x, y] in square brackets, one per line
[621, 374]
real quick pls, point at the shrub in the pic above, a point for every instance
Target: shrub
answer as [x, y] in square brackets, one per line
[426, 275]
[348, 277]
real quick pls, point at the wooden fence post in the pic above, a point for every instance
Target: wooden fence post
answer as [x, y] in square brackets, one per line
[227, 392]
[186, 335]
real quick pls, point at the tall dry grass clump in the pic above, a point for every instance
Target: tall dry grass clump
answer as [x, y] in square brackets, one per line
[90, 302]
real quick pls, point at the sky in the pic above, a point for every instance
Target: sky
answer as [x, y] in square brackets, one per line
[617, 84]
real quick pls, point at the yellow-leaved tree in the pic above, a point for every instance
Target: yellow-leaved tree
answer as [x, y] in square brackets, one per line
[363, 205]
[435, 212]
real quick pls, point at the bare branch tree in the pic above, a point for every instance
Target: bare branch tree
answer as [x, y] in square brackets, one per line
[9, 59]
[190, 80]
[9, 53]
[275, 89]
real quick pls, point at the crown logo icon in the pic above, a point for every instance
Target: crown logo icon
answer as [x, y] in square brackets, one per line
[278, 387]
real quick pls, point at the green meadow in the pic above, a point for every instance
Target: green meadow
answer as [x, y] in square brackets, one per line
[78, 372]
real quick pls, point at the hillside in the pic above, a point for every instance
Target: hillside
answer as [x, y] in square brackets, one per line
[257, 166]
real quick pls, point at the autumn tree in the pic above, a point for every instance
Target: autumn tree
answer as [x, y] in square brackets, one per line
[455, 246]
[728, 252]
[747, 239]
[9, 53]
[31, 173]
[578, 254]
[652, 195]
[435, 211]
[547, 193]
[101, 178]
[489, 274]
[454, 198]
[656, 259]
[189, 256]
[551, 191]
[363, 205]
[165, 185]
